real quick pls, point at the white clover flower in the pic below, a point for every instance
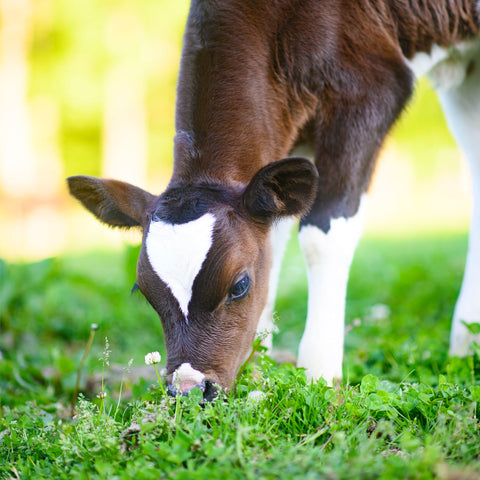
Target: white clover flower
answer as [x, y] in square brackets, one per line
[256, 395]
[152, 358]
[378, 312]
[102, 395]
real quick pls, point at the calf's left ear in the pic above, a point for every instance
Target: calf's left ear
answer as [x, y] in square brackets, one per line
[283, 188]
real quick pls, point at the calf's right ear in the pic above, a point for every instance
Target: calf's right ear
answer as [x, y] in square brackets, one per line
[115, 203]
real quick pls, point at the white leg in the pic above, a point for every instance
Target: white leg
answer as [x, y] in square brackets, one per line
[279, 236]
[462, 109]
[328, 257]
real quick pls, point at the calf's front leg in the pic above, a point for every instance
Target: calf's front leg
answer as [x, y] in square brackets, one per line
[328, 256]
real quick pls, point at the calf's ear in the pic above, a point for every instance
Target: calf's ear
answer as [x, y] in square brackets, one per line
[282, 188]
[115, 203]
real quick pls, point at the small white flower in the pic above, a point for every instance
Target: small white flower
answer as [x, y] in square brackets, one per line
[378, 312]
[152, 358]
[256, 395]
[102, 395]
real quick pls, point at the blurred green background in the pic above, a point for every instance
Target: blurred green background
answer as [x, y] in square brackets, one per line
[89, 88]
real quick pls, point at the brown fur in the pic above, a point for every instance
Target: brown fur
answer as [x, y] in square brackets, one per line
[421, 24]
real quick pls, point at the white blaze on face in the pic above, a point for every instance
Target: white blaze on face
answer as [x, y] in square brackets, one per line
[177, 252]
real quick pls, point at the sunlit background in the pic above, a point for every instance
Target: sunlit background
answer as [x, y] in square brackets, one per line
[88, 87]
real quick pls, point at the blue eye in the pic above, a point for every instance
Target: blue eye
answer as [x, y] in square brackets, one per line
[240, 289]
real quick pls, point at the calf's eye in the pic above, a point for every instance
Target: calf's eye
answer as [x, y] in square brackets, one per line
[240, 288]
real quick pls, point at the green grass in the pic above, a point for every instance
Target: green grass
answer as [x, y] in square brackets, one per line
[404, 410]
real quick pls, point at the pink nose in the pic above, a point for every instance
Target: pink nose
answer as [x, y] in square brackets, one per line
[186, 377]
[186, 387]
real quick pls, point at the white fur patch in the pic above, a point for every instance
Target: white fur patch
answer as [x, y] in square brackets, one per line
[445, 67]
[328, 257]
[177, 252]
[423, 62]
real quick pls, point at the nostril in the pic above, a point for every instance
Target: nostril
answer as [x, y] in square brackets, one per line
[171, 390]
[210, 392]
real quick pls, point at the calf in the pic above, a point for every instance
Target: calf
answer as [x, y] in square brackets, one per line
[261, 80]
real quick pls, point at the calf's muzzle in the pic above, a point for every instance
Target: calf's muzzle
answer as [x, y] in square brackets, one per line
[185, 378]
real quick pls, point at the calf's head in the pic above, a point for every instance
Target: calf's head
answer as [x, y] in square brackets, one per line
[205, 260]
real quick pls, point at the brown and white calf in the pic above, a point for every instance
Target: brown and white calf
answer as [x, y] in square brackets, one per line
[261, 80]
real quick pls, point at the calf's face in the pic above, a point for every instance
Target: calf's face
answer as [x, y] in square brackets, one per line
[205, 260]
[206, 278]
